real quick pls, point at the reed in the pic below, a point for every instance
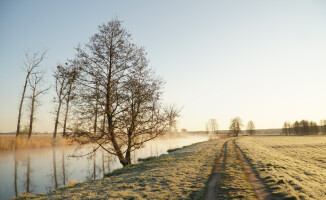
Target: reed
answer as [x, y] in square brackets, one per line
[10, 142]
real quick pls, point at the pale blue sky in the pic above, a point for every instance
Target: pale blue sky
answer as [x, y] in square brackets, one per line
[261, 60]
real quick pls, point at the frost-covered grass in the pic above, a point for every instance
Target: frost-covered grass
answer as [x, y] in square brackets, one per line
[233, 183]
[182, 174]
[294, 167]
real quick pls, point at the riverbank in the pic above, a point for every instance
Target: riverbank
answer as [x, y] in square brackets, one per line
[181, 174]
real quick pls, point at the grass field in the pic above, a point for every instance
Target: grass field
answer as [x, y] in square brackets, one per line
[182, 174]
[293, 167]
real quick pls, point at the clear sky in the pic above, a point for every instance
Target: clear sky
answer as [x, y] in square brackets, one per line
[261, 60]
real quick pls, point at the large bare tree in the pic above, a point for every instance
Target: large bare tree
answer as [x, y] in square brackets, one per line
[235, 126]
[116, 86]
[31, 63]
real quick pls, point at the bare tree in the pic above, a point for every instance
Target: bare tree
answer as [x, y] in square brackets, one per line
[34, 83]
[72, 74]
[31, 64]
[235, 126]
[115, 86]
[288, 128]
[212, 126]
[251, 128]
[60, 86]
[172, 112]
[285, 129]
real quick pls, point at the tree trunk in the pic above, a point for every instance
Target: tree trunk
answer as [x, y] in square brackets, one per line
[32, 114]
[109, 170]
[55, 169]
[21, 106]
[66, 114]
[103, 125]
[15, 181]
[114, 142]
[109, 112]
[117, 149]
[28, 172]
[94, 166]
[57, 120]
[96, 109]
[128, 152]
[103, 168]
[63, 168]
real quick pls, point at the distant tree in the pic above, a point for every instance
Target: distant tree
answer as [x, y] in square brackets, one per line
[31, 64]
[314, 129]
[286, 130]
[235, 126]
[296, 128]
[323, 126]
[251, 128]
[184, 130]
[212, 126]
[173, 112]
[304, 127]
[34, 83]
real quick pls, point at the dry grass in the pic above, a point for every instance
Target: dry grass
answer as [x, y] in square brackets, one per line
[294, 167]
[182, 174]
[10, 142]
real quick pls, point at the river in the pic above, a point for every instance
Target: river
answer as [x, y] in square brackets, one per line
[43, 170]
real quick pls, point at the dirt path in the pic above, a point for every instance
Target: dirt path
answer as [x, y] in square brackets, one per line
[215, 177]
[233, 177]
[260, 189]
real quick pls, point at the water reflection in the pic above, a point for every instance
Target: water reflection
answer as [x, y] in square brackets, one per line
[28, 172]
[54, 168]
[63, 168]
[43, 170]
[15, 171]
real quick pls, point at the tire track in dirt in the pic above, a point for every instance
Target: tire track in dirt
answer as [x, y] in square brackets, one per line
[261, 191]
[215, 177]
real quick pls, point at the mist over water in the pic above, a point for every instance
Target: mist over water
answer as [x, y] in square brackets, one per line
[45, 169]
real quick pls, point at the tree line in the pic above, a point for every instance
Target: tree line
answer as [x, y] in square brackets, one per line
[304, 127]
[235, 127]
[107, 95]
